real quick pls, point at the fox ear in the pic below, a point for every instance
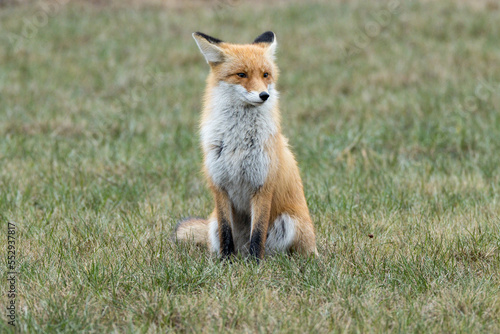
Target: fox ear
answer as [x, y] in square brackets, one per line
[209, 48]
[268, 38]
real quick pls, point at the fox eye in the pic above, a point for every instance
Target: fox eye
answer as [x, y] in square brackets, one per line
[266, 75]
[241, 75]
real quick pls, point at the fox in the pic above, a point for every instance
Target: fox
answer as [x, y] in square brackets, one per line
[260, 206]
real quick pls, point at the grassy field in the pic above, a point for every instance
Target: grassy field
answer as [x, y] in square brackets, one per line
[392, 109]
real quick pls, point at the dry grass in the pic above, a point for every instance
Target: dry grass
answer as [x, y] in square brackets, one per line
[395, 130]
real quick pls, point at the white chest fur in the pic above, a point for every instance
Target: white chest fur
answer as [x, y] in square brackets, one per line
[234, 138]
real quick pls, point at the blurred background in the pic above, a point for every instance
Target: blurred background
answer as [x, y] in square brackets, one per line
[391, 107]
[112, 88]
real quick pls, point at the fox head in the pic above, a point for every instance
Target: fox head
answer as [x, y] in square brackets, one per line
[243, 73]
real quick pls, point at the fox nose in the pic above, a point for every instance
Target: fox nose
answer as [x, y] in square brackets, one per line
[264, 96]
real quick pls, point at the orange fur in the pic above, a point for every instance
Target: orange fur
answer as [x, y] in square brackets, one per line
[281, 195]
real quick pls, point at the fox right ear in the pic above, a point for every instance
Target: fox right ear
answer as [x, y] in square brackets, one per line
[209, 47]
[268, 38]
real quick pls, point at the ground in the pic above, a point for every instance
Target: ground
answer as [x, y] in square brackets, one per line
[392, 110]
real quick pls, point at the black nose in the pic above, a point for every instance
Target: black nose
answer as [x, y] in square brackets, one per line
[264, 96]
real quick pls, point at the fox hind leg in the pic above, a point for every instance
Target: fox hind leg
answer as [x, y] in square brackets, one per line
[213, 236]
[281, 235]
[286, 235]
[290, 234]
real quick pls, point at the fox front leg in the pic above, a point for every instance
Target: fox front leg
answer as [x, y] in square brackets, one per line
[223, 208]
[261, 210]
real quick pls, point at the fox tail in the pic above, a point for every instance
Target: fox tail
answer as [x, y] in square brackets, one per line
[193, 230]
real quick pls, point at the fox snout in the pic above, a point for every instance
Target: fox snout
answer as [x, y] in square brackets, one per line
[264, 96]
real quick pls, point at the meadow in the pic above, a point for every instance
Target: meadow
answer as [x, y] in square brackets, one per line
[392, 109]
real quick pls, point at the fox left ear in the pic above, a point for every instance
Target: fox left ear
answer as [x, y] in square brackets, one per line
[209, 47]
[268, 38]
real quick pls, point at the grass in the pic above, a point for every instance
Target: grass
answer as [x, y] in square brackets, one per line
[396, 129]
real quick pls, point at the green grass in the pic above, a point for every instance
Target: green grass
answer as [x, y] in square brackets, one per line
[397, 137]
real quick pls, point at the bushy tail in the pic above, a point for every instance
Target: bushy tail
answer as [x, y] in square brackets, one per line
[193, 230]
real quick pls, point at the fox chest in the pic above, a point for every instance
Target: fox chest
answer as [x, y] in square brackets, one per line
[236, 157]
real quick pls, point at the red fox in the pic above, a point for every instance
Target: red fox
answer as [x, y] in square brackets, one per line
[259, 198]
